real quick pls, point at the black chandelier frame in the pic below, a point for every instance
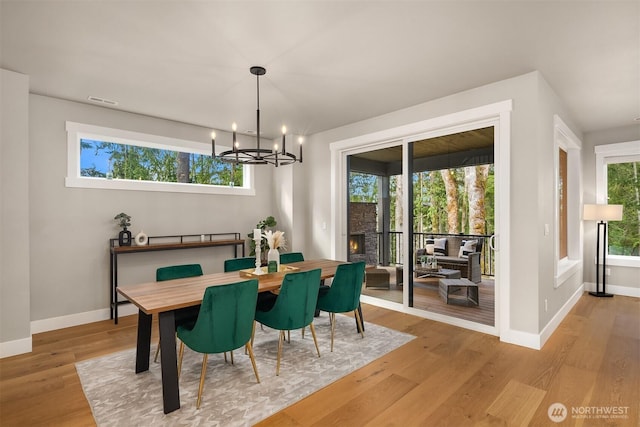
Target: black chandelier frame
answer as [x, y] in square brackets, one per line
[257, 155]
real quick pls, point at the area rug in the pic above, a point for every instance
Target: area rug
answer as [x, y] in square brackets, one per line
[231, 395]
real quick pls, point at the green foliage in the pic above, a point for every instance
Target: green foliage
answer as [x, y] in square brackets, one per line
[268, 222]
[624, 189]
[152, 164]
[430, 199]
[123, 220]
[363, 187]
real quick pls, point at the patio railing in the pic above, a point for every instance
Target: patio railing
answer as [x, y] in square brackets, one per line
[396, 240]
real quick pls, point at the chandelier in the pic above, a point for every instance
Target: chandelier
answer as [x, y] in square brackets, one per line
[257, 155]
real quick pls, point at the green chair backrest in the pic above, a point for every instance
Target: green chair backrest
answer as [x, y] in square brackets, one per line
[296, 303]
[344, 293]
[225, 321]
[235, 264]
[289, 257]
[178, 272]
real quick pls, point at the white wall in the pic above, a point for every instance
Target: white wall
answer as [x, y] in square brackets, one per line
[625, 280]
[549, 105]
[70, 227]
[531, 197]
[15, 334]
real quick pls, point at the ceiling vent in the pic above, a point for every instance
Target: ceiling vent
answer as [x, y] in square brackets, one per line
[99, 100]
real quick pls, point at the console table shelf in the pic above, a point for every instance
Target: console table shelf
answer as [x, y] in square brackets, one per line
[166, 243]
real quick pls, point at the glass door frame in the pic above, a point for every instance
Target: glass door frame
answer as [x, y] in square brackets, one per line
[497, 115]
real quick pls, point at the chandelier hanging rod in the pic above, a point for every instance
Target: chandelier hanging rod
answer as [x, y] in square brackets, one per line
[257, 155]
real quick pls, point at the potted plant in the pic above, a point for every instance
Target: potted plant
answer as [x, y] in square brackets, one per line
[264, 245]
[423, 261]
[124, 221]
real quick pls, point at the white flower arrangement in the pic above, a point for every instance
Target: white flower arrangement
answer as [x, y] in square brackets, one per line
[275, 239]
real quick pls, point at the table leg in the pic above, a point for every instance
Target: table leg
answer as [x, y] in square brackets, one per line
[144, 342]
[169, 362]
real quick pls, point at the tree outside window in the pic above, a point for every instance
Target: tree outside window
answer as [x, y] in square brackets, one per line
[623, 188]
[111, 160]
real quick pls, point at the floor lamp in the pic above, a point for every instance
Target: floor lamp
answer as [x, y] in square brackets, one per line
[601, 213]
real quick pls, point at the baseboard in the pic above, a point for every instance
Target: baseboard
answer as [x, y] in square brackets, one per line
[625, 291]
[555, 321]
[24, 345]
[537, 341]
[76, 319]
[523, 339]
[12, 348]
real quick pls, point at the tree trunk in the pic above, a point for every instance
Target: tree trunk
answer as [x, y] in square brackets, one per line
[183, 167]
[435, 216]
[452, 200]
[398, 215]
[399, 204]
[476, 179]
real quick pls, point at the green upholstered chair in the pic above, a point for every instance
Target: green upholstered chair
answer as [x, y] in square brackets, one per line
[289, 257]
[265, 299]
[225, 322]
[179, 272]
[235, 264]
[344, 294]
[294, 307]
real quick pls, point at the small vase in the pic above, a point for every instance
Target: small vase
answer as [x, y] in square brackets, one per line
[274, 255]
[124, 237]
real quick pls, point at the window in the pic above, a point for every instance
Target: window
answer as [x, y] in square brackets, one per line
[618, 182]
[568, 244]
[562, 203]
[116, 159]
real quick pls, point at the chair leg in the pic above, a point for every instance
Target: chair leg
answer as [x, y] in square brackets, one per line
[289, 337]
[313, 332]
[280, 340]
[203, 373]
[231, 356]
[225, 357]
[303, 332]
[155, 358]
[359, 320]
[253, 359]
[332, 316]
[180, 354]
[253, 332]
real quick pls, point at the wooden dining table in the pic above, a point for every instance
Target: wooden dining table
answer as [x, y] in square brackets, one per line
[164, 298]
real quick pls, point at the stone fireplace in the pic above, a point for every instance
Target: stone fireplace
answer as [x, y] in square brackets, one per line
[363, 238]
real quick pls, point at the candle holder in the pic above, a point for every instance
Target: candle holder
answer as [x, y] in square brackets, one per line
[257, 237]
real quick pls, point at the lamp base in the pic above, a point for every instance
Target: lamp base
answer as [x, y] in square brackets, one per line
[601, 294]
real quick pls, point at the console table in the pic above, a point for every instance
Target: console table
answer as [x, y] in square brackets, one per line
[165, 243]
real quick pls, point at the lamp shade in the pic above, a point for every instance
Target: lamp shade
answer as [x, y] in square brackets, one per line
[602, 213]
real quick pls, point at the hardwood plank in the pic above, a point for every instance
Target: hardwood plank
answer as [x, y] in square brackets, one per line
[573, 387]
[367, 405]
[327, 399]
[517, 403]
[411, 408]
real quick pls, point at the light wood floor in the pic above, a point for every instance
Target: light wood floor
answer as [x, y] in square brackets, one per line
[447, 376]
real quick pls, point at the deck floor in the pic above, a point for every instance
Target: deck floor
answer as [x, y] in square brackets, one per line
[425, 297]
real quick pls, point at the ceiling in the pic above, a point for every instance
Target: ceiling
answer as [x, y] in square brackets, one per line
[472, 140]
[329, 63]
